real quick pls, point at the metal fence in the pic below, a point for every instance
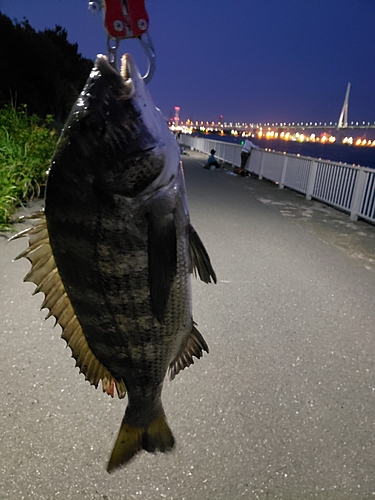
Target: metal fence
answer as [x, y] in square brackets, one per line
[347, 187]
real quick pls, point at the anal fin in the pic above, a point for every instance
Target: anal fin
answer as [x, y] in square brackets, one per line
[193, 346]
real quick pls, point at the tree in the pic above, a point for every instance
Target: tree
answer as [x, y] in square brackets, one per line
[40, 69]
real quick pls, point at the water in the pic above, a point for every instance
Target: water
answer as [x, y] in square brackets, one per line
[354, 155]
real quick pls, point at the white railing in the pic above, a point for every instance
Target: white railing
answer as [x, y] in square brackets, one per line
[347, 187]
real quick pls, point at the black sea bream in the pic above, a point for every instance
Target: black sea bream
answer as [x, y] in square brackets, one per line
[114, 251]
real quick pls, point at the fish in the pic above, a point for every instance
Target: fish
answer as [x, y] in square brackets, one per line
[114, 250]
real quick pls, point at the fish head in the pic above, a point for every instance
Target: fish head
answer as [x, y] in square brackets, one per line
[115, 134]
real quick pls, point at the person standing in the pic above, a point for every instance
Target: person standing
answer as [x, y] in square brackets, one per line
[245, 153]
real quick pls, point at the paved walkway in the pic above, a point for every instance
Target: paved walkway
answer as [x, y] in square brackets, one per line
[283, 407]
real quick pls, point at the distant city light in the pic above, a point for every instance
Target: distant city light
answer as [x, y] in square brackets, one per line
[319, 132]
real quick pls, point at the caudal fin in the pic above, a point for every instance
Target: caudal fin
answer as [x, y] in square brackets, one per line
[130, 440]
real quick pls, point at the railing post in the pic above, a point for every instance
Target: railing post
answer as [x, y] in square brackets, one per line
[358, 194]
[262, 160]
[311, 179]
[283, 172]
[237, 157]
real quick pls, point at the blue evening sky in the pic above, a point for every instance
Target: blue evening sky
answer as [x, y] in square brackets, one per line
[248, 60]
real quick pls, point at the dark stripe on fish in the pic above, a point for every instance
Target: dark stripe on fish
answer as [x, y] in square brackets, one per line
[162, 262]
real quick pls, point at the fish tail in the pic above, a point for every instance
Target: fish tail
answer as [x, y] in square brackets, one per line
[131, 440]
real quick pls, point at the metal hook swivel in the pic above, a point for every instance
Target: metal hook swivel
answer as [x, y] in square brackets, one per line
[126, 19]
[145, 40]
[150, 53]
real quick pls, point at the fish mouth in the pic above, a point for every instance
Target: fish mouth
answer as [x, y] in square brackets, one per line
[128, 72]
[121, 99]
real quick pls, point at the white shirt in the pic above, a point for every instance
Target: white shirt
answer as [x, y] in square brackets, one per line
[248, 145]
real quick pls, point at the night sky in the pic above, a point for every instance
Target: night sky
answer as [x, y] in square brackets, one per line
[248, 60]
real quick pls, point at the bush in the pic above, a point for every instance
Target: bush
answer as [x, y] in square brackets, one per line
[26, 148]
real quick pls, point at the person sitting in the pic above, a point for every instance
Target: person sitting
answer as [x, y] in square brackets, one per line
[211, 162]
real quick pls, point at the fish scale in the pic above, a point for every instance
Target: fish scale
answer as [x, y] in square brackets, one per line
[114, 251]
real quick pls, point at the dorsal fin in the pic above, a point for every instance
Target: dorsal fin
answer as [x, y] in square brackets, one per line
[45, 275]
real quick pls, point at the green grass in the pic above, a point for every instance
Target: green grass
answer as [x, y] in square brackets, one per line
[26, 148]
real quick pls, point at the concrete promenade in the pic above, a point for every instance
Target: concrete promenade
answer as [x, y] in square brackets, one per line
[283, 407]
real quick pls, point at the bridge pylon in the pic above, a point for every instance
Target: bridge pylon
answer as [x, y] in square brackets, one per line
[343, 120]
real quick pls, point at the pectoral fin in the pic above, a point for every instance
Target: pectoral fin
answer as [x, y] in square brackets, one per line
[199, 258]
[162, 263]
[46, 276]
[193, 346]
